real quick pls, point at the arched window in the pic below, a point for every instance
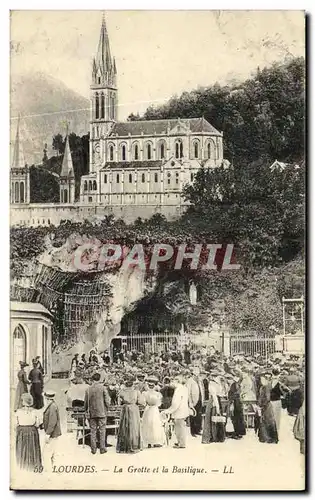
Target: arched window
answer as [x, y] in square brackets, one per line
[94, 186]
[22, 192]
[111, 152]
[97, 106]
[90, 186]
[196, 149]
[191, 177]
[102, 105]
[156, 178]
[85, 185]
[136, 152]
[19, 348]
[117, 178]
[123, 152]
[161, 150]
[148, 151]
[130, 178]
[177, 177]
[143, 178]
[211, 150]
[105, 178]
[179, 149]
[169, 178]
[16, 193]
[65, 196]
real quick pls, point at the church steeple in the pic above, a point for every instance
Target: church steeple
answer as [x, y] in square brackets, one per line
[18, 153]
[20, 172]
[104, 67]
[104, 98]
[66, 182]
[67, 165]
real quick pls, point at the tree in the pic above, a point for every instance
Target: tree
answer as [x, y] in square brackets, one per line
[58, 144]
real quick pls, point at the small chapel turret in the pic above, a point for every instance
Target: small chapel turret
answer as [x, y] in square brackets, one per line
[66, 182]
[20, 172]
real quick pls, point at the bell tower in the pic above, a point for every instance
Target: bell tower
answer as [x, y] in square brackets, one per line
[104, 100]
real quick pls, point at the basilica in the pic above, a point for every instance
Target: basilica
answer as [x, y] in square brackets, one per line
[140, 162]
[136, 168]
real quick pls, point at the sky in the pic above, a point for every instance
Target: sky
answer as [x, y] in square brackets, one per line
[158, 53]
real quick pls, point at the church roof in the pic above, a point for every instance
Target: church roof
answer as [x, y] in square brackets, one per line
[161, 127]
[133, 164]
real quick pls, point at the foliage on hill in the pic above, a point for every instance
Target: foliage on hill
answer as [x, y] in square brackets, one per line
[263, 116]
[79, 147]
[44, 186]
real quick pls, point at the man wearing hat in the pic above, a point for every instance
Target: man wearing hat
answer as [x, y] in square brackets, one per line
[51, 424]
[196, 400]
[179, 410]
[97, 402]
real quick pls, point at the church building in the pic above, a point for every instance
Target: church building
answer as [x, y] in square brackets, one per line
[136, 168]
[140, 162]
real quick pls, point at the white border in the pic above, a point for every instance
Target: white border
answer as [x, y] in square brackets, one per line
[4, 168]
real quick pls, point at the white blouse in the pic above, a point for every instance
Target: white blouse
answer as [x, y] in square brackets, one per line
[26, 417]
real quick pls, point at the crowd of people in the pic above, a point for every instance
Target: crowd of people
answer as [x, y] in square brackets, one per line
[208, 392]
[203, 390]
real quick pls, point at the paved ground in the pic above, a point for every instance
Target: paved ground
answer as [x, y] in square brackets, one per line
[252, 465]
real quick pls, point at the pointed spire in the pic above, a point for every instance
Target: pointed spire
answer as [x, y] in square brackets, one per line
[114, 66]
[67, 165]
[103, 57]
[18, 153]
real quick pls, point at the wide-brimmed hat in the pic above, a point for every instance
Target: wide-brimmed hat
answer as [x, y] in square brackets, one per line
[23, 364]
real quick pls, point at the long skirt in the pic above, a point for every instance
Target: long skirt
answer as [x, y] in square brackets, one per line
[238, 419]
[152, 429]
[277, 408]
[27, 449]
[36, 392]
[299, 429]
[213, 432]
[129, 432]
[21, 388]
[267, 432]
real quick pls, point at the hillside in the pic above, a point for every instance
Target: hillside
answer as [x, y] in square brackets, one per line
[45, 105]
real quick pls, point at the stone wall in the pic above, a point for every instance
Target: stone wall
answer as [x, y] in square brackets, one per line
[33, 215]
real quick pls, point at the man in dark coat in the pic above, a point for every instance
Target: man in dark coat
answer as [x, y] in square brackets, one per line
[96, 403]
[52, 428]
[37, 384]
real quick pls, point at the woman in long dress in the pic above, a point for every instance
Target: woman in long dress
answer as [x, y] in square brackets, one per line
[35, 376]
[267, 431]
[299, 428]
[277, 391]
[129, 433]
[213, 432]
[152, 429]
[236, 408]
[21, 386]
[27, 449]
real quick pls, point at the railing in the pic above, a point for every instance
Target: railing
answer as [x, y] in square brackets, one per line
[251, 344]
